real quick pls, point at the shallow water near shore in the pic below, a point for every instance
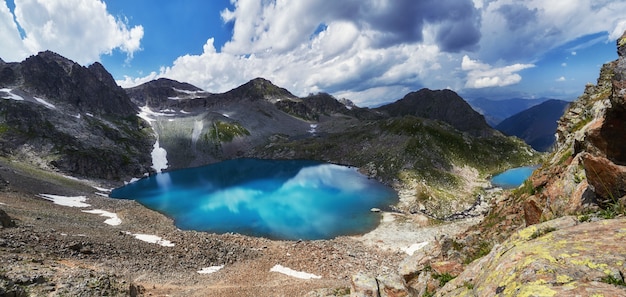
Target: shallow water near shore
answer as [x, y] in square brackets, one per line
[277, 199]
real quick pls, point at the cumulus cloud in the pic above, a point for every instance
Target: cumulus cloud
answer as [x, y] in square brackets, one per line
[284, 25]
[562, 78]
[481, 75]
[527, 29]
[80, 30]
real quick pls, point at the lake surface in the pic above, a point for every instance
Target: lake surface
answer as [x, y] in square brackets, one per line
[513, 178]
[277, 199]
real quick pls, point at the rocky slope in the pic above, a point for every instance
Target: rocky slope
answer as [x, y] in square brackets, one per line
[560, 234]
[63, 116]
[584, 177]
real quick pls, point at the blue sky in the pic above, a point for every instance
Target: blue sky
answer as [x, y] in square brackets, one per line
[369, 51]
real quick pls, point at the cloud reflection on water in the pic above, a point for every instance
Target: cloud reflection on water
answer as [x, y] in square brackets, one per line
[284, 200]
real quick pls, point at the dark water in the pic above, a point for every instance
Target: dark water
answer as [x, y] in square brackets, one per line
[513, 178]
[278, 199]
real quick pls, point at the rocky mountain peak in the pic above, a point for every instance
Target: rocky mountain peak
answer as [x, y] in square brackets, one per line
[443, 105]
[53, 77]
[260, 88]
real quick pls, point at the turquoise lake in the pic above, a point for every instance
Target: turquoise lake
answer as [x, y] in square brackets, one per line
[277, 199]
[513, 178]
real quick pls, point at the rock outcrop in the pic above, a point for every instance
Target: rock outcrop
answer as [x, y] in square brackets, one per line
[530, 243]
[561, 257]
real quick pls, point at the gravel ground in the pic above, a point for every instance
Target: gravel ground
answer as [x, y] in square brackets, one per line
[58, 250]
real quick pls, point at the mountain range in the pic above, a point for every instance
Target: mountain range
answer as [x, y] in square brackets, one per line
[75, 119]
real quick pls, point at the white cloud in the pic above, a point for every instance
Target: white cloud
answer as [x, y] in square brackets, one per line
[339, 59]
[620, 27]
[562, 78]
[563, 64]
[77, 29]
[12, 48]
[528, 29]
[481, 75]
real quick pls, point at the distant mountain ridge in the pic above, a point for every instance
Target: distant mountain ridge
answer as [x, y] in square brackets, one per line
[536, 125]
[495, 111]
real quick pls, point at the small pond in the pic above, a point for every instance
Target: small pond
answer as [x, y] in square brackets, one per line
[277, 199]
[513, 178]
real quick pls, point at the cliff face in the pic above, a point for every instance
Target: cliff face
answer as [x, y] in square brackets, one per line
[63, 116]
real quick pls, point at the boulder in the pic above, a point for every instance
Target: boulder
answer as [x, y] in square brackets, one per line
[555, 258]
[392, 285]
[607, 178]
[5, 220]
[363, 285]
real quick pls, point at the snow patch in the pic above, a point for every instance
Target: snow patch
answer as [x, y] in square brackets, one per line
[102, 194]
[209, 270]
[102, 189]
[313, 129]
[112, 220]
[159, 157]
[45, 103]
[132, 180]
[197, 130]
[75, 201]
[226, 115]
[89, 114]
[414, 248]
[293, 273]
[159, 154]
[10, 95]
[152, 239]
[188, 92]
[2, 203]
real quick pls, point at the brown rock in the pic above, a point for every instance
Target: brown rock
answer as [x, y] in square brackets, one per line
[607, 179]
[450, 267]
[532, 211]
[392, 285]
[5, 220]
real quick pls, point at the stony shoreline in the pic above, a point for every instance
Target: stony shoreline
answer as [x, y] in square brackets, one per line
[60, 250]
